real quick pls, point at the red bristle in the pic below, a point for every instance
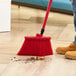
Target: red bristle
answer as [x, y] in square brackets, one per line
[36, 46]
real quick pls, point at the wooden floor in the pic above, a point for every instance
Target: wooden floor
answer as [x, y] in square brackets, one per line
[27, 22]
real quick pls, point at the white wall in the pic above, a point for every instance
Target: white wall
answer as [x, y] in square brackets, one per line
[5, 15]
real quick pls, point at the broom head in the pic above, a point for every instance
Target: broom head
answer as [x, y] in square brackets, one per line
[36, 46]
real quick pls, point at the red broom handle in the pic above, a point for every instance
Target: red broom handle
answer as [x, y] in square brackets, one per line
[46, 17]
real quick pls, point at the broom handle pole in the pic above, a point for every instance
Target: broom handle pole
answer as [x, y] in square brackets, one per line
[46, 17]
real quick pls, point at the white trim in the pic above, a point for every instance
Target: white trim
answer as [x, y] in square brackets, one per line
[5, 15]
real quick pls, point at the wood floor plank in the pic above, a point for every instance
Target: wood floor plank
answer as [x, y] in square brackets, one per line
[56, 66]
[68, 33]
[2, 68]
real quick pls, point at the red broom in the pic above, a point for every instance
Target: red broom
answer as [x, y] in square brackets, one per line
[39, 45]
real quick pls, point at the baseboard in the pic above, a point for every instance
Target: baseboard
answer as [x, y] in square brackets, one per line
[42, 7]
